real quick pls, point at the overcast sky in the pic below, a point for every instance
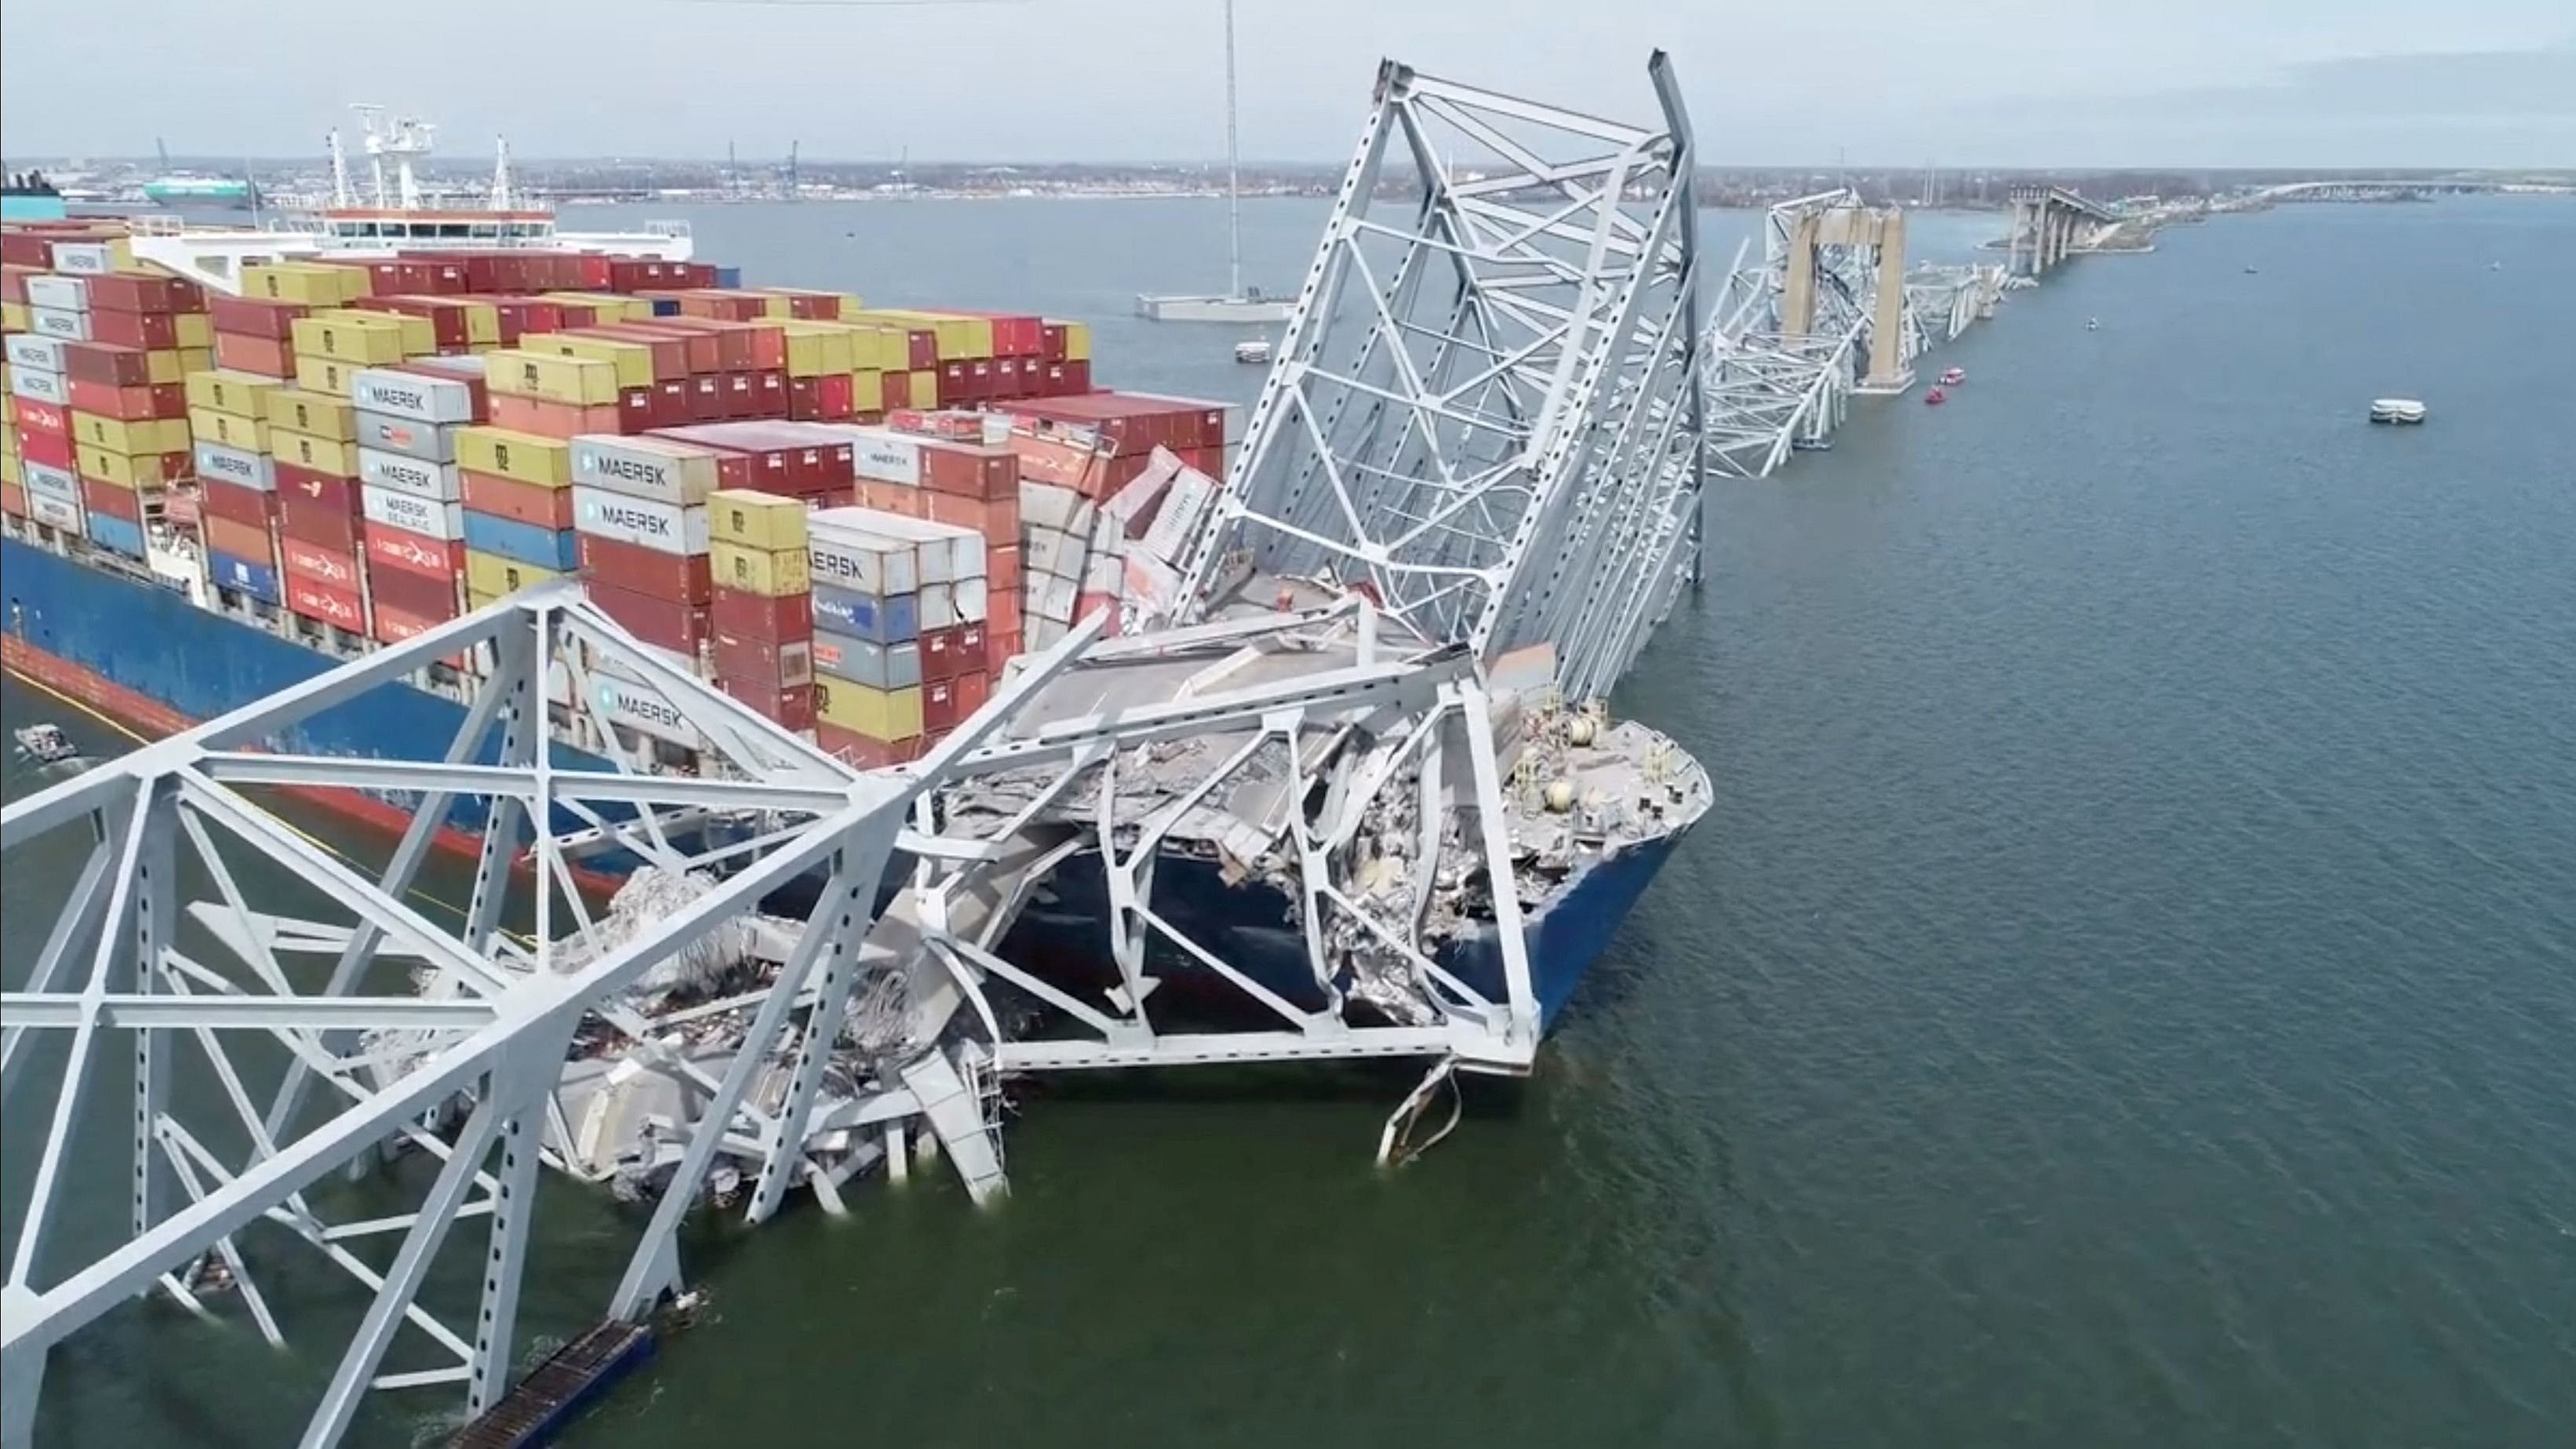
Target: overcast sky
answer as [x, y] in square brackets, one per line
[1963, 82]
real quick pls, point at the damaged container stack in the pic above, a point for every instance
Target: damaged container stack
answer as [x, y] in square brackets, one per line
[640, 537]
[874, 574]
[762, 610]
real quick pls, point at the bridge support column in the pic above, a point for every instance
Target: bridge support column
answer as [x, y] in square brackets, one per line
[1890, 370]
[1798, 278]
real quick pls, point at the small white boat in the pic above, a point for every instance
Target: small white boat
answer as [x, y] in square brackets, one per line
[46, 744]
[1255, 350]
[2396, 410]
[2092, 324]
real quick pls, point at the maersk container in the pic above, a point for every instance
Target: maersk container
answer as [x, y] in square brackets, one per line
[45, 354]
[237, 465]
[255, 579]
[53, 512]
[62, 294]
[408, 395]
[629, 519]
[55, 322]
[427, 442]
[890, 620]
[556, 550]
[40, 384]
[44, 480]
[117, 534]
[412, 513]
[433, 481]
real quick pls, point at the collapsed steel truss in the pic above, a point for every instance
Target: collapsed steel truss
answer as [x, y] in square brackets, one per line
[1485, 407]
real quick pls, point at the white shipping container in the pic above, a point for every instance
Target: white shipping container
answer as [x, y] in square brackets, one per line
[237, 465]
[1151, 588]
[665, 472]
[973, 600]
[938, 606]
[1177, 521]
[88, 259]
[66, 294]
[641, 521]
[1051, 598]
[42, 353]
[1106, 573]
[41, 385]
[44, 480]
[1134, 506]
[882, 455]
[436, 482]
[54, 512]
[856, 661]
[1043, 633]
[411, 396]
[55, 322]
[386, 433]
[1044, 505]
[412, 513]
[947, 551]
[1048, 551]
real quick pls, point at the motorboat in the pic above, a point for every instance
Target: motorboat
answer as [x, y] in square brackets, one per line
[1953, 376]
[1935, 398]
[2404, 410]
[46, 744]
[1256, 350]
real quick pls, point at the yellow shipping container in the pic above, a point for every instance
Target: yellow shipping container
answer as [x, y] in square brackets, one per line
[169, 364]
[106, 465]
[492, 576]
[879, 348]
[196, 359]
[867, 390]
[212, 425]
[480, 598]
[311, 283]
[527, 457]
[305, 450]
[361, 339]
[960, 338]
[609, 306]
[633, 360]
[419, 334]
[322, 375]
[317, 414]
[13, 317]
[815, 348]
[1077, 340]
[10, 471]
[155, 435]
[879, 714]
[749, 519]
[770, 573]
[556, 379]
[227, 391]
[482, 322]
[925, 389]
[196, 331]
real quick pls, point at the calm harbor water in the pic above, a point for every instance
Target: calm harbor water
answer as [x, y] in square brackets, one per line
[2125, 996]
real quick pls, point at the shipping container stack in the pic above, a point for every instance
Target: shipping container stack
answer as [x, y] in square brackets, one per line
[886, 686]
[41, 431]
[411, 418]
[640, 537]
[237, 485]
[762, 612]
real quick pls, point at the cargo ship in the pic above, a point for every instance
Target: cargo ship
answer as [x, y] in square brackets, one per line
[236, 458]
[199, 193]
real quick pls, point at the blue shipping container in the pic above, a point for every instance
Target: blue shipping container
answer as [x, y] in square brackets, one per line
[728, 276]
[865, 616]
[546, 548]
[255, 579]
[666, 306]
[111, 532]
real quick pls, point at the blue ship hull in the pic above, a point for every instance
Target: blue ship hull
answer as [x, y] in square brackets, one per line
[154, 642]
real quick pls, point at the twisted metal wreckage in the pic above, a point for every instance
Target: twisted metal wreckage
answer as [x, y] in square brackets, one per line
[1469, 489]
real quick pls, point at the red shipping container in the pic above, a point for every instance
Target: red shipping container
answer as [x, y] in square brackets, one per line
[44, 417]
[446, 316]
[1001, 621]
[54, 450]
[554, 419]
[1051, 341]
[391, 550]
[939, 711]
[134, 329]
[894, 498]
[241, 540]
[785, 619]
[317, 600]
[13, 500]
[26, 249]
[721, 304]
[1001, 649]
[327, 491]
[896, 388]
[763, 662]
[112, 364]
[943, 655]
[304, 560]
[248, 507]
[521, 315]
[318, 523]
[263, 355]
[737, 345]
[681, 578]
[700, 351]
[792, 707]
[670, 354]
[418, 595]
[996, 520]
[489, 493]
[970, 637]
[394, 626]
[1002, 566]
[127, 292]
[664, 623]
[254, 316]
[131, 404]
[111, 500]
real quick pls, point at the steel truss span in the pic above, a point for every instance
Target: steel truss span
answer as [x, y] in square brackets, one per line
[1471, 486]
[1485, 407]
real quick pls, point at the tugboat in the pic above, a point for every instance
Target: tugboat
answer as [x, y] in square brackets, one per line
[1255, 350]
[46, 744]
[1935, 398]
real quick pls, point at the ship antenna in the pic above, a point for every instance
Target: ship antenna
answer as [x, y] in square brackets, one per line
[339, 171]
[1233, 196]
[500, 173]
